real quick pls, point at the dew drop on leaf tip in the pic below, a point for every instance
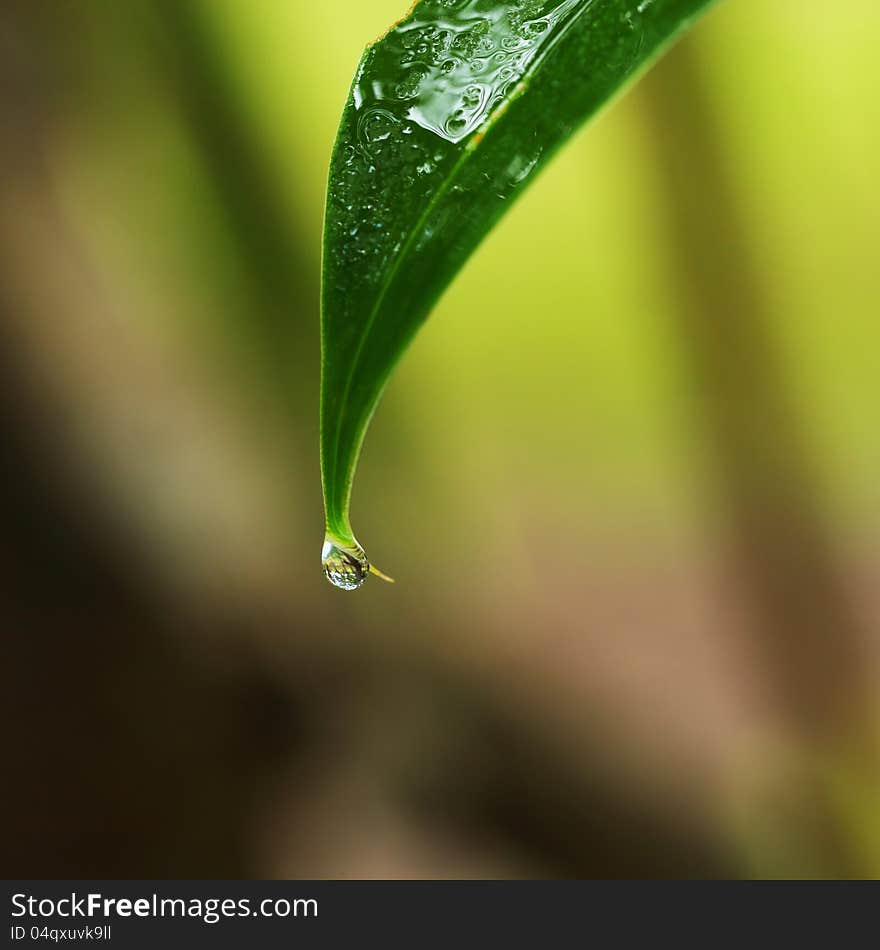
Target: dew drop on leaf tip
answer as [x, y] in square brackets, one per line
[345, 566]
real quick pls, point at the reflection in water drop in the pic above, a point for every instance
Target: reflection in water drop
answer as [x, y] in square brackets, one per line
[345, 566]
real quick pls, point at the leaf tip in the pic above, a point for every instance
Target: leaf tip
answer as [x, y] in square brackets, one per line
[375, 570]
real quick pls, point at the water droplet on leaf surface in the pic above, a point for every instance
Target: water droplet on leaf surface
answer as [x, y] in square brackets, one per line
[445, 48]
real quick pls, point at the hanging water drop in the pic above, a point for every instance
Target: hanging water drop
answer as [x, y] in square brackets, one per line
[345, 566]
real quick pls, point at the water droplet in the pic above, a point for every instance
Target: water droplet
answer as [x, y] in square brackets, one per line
[456, 124]
[521, 167]
[377, 126]
[472, 97]
[345, 566]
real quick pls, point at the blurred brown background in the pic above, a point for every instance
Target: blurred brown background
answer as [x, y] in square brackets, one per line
[627, 479]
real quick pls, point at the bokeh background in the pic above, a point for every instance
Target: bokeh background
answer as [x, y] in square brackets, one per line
[628, 477]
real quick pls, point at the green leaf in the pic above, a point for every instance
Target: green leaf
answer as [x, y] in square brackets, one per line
[451, 115]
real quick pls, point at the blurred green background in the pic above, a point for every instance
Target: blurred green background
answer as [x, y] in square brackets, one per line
[628, 477]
